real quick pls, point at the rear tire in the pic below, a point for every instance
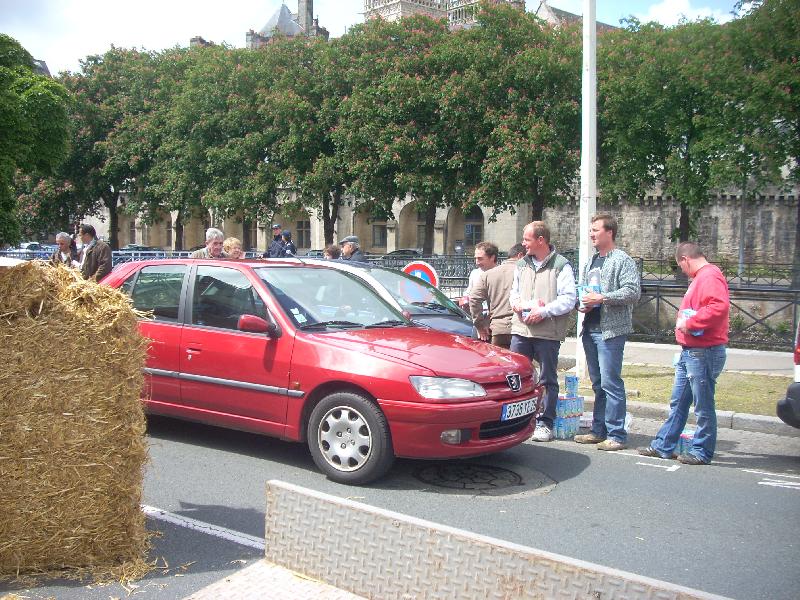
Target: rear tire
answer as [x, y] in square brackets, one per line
[349, 439]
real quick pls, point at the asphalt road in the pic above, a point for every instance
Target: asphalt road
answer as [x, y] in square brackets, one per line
[732, 528]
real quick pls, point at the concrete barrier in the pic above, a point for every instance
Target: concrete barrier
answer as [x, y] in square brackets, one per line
[377, 553]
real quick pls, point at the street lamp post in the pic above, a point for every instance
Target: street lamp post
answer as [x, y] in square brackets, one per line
[588, 203]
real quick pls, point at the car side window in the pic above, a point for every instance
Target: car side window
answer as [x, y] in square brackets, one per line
[221, 295]
[157, 289]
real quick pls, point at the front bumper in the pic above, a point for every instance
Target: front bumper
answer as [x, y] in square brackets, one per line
[417, 427]
[788, 409]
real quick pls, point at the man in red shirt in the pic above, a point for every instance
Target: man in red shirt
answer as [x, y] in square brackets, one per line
[701, 329]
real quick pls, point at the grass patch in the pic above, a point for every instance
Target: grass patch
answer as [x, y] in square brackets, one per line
[737, 392]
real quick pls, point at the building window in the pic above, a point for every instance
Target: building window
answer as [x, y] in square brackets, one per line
[473, 227]
[302, 234]
[132, 231]
[379, 235]
[169, 233]
[249, 234]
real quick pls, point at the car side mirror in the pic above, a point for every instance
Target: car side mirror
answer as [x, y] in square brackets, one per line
[255, 324]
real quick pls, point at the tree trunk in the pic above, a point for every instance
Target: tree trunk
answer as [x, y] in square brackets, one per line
[796, 263]
[430, 220]
[684, 223]
[742, 214]
[330, 212]
[111, 202]
[537, 203]
[179, 231]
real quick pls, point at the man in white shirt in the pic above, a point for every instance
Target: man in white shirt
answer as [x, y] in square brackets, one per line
[542, 297]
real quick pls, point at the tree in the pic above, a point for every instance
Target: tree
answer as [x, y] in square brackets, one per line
[660, 112]
[768, 42]
[87, 179]
[393, 136]
[301, 114]
[33, 128]
[524, 81]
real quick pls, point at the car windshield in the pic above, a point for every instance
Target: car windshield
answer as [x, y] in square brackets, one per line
[414, 295]
[324, 299]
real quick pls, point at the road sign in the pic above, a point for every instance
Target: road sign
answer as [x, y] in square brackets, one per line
[422, 270]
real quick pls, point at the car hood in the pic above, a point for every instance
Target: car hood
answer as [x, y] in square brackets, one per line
[444, 354]
[448, 323]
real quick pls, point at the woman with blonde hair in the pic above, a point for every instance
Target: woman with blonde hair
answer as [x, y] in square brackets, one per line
[233, 248]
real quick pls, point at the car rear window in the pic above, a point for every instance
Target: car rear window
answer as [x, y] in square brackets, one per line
[157, 289]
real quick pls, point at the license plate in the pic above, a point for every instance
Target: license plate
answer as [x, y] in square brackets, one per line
[515, 410]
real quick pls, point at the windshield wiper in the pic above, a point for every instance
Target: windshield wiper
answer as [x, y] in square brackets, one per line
[326, 324]
[432, 306]
[392, 323]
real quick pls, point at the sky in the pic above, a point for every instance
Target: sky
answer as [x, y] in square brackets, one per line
[62, 32]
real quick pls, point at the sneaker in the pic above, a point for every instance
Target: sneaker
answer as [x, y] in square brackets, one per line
[611, 445]
[589, 438]
[653, 453]
[542, 433]
[691, 459]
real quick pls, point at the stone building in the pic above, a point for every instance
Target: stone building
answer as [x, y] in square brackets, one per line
[459, 13]
[284, 22]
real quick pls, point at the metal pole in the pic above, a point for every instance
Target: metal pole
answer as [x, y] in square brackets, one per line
[588, 205]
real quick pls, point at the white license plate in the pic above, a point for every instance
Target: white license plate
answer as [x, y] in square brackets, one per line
[518, 409]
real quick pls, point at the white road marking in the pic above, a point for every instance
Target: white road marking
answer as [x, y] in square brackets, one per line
[771, 474]
[670, 469]
[792, 485]
[236, 537]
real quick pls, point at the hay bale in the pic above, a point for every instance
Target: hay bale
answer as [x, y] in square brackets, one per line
[72, 446]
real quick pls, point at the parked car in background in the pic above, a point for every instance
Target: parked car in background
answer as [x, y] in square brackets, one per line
[421, 302]
[140, 248]
[788, 409]
[308, 352]
[411, 253]
[30, 250]
[315, 253]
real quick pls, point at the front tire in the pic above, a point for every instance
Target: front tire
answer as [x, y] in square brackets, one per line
[349, 439]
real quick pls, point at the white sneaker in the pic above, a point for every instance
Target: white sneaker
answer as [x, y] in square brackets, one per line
[542, 433]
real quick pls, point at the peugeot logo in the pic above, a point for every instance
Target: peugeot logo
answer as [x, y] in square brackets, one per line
[514, 382]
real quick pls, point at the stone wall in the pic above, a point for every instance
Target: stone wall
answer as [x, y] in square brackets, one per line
[645, 227]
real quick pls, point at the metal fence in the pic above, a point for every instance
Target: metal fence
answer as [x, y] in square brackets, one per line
[764, 304]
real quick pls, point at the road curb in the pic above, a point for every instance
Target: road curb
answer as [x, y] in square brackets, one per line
[725, 418]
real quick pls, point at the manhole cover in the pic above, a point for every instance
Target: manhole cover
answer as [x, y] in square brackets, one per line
[469, 477]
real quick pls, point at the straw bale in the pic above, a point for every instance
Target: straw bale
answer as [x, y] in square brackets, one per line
[72, 446]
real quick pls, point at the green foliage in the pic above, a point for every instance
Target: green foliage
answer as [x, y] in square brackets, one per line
[488, 116]
[33, 128]
[698, 106]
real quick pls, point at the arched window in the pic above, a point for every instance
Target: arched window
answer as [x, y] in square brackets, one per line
[473, 226]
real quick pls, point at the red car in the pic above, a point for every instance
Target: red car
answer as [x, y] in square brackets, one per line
[310, 353]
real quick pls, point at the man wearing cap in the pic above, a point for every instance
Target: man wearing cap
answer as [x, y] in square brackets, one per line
[289, 249]
[350, 249]
[276, 248]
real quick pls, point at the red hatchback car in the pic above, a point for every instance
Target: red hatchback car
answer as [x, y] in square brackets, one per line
[310, 353]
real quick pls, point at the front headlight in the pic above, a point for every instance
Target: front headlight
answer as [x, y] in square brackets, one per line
[443, 388]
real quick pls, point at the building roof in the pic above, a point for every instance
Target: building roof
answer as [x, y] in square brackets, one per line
[561, 17]
[282, 21]
[41, 67]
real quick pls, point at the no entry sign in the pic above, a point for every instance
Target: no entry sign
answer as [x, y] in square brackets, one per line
[422, 270]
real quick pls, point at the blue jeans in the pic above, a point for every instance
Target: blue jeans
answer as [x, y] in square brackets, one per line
[545, 352]
[695, 380]
[604, 360]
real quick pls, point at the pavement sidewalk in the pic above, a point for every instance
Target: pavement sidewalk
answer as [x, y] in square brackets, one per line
[746, 361]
